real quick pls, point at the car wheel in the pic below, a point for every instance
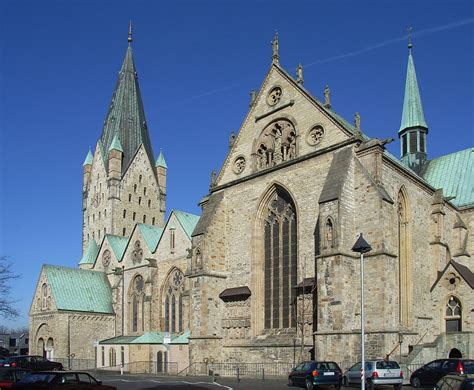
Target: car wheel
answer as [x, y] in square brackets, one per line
[338, 387]
[309, 384]
[397, 387]
[370, 385]
[416, 382]
[345, 383]
[290, 381]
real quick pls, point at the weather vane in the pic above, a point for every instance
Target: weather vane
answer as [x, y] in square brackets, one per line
[130, 32]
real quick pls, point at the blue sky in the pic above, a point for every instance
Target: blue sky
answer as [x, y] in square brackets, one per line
[197, 62]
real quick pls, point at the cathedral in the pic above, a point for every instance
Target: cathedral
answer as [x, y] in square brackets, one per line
[267, 269]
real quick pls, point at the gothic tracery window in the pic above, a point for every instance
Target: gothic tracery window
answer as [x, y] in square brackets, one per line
[276, 144]
[173, 302]
[137, 298]
[453, 315]
[280, 261]
[404, 259]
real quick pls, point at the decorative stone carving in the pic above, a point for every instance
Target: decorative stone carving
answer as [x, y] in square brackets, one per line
[274, 96]
[239, 164]
[106, 257]
[276, 144]
[137, 253]
[451, 281]
[315, 135]
[177, 278]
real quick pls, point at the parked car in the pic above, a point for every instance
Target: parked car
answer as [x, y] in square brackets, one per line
[456, 382]
[432, 372]
[310, 374]
[377, 373]
[51, 380]
[9, 375]
[35, 363]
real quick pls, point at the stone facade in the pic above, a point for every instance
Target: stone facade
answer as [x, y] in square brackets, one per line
[340, 183]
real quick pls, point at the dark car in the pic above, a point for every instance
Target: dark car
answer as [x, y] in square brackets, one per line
[310, 374]
[35, 363]
[9, 375]
[456, 382]
[64, 380]
[431, 373]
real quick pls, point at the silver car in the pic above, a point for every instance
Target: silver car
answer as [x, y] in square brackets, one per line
[377, 373]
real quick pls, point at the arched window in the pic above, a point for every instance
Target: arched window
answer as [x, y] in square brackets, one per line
[280, 261]
[44, 296]
[330, 233]
[140, 178]
[404, 259]
[103, 356]
[149, 202]
[137, 298]
[122, 355]
[112, 357]
[144, 219]
[124, 213]
[144, 191]
[129, 197]
[134, 216]
[159, 361]
[40, 347]
[276, 144]
[173, 302]
[135, 188]
[124, 231]
[139, 200]
[453, 315]
[153, 221]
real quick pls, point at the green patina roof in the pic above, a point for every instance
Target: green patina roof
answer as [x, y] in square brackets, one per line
[412, 109]
[90, 253]
[187, 221]
[118, 245]
[160, 161]
[116, 145]
[149, 338]
[89, 159]
[126, 116]
[151, 235]
[78, 289]
[454, 173]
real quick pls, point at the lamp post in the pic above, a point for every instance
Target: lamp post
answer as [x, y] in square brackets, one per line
[361, 246]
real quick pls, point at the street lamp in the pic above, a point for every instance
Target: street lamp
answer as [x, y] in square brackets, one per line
[361, 246]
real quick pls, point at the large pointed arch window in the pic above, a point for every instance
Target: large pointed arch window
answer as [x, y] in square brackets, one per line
[404, 259]
[137, 300]
[173, 302]
[280, 261]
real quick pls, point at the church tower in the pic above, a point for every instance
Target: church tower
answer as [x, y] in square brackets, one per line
[122, 185]
[413, 129]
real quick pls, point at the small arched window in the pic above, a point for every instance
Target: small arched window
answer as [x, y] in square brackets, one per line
[330, 233]
[134, 216]
[124, 213]
[140, 178]
[134, 188]
[144, 191]
[99, 215]
[122, 355]
[139, 200]
[112, 357]
[105, 213]
[103, 356]
[144, 219]
[129, 197]
[123, 231]
[138, 298]
[453, 315]
[153, 221]
[149, 202]
[44, 296]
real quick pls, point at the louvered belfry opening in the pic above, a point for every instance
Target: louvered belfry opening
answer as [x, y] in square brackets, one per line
[280, 251]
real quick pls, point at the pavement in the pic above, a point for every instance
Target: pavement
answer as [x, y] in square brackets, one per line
[202, 383]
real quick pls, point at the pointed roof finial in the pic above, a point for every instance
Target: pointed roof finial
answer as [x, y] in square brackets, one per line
[409, 31]
[357, 121]
[130, 33]
[275, 47]
[299, 74]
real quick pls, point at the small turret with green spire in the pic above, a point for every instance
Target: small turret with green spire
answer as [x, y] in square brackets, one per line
[116, 145]
[89, 158]
[160, 161]
[413, 128]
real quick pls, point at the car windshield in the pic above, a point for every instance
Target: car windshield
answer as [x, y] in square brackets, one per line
[38, 378]
[383, 365]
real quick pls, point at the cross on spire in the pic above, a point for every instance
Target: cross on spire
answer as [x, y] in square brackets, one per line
[409, 31]
[130, 33]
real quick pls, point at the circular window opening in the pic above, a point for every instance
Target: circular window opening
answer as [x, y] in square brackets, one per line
[274, 96]
[452, 280]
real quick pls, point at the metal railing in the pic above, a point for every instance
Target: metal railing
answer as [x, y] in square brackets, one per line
[253, 370]
[76, 364]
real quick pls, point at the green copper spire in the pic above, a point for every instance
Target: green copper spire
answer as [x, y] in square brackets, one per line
[116, 145]
[160, 161]
[126, 115]
[412, 109]
[89, 158]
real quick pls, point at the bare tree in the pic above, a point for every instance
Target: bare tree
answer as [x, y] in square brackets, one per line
[7, 304]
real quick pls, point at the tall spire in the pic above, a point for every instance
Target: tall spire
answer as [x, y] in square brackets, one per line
[413, 128]
[412, 115]
[126, 116]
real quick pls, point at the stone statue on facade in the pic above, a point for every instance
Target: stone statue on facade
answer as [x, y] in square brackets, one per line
[327, 97]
